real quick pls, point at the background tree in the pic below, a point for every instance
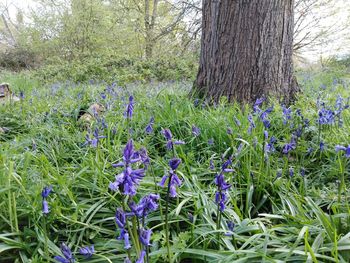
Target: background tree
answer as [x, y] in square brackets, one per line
[246, 50]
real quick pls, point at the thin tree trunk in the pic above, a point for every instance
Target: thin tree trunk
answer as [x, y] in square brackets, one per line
[246, 50]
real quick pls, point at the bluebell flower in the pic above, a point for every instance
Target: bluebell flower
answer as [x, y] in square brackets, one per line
[289, 146]
[229, 131]
[45, 208]
[87, 251]
[257, 104]
[174, 179]
[127, 245]
[222, 185]
[128, 180]
[146, 205]
[211, 141]
[230, 226]
[302, 171]
[94, 140]
[251, 123]
[145, 236]
[149, 127]
[211, 164]
[129, 108]
[46, 191]
[67, 255]
[190, 217]
[169, 137]
[291, 172]
[325, 116]
[141, 258]
[196, 131]
[266, 135]
[322, 146]
[286, 114]
[278, 174]
[44, 194]
[266, 113]
[343, 148]
[238, 123]
[127, 260]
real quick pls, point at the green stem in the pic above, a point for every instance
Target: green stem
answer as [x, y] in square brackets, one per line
[166, 219]
[218, 220]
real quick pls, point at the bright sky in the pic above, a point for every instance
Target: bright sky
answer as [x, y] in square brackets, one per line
[339, 44]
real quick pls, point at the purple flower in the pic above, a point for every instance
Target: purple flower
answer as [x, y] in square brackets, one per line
[142, 256]
[222, 185]
[266, 135]
[291, 172]
[278, 174]
[129, 108]
[127, 260]
[45, 207]
[230, 226]
[94, 140]
[146, 205]
[229, 131]
[302, 171]
[196, 131]
[211, 164]
[257, 104]
[145, 236]
[345, 149]
[289, 146]
[325, 116]
[149, 127]
[128, 180]
[211, 141]
[251, 123]
[67, 255]
[169, 137]
[322, 146]
[174, 163]
[127, 245]
[238, 123]
[190, 217]
[87, 251]
[286, 114]
[174, 180]
[46, 191]
[220, 199]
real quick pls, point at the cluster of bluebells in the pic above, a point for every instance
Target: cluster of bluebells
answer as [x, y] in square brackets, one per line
[325, 116]
[44, 194]
[170, 141]
[264, 117]
[174, 180]
[222, 185]
[251, 123]
[128, 180]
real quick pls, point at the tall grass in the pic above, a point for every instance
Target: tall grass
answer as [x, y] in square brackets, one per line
[299, 218]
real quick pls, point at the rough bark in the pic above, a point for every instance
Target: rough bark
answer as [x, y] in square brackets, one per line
[246, 50]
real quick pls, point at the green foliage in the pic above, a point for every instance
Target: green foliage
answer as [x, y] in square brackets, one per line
[123, 70]
[277, 219]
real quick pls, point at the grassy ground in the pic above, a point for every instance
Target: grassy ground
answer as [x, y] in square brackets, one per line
[286, 207]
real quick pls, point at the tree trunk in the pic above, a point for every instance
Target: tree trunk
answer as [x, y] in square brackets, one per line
[246, 50]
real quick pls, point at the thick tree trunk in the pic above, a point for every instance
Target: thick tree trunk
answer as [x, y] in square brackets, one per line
[246, 50]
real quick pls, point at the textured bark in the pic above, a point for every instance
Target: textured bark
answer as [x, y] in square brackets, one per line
[246, 50]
